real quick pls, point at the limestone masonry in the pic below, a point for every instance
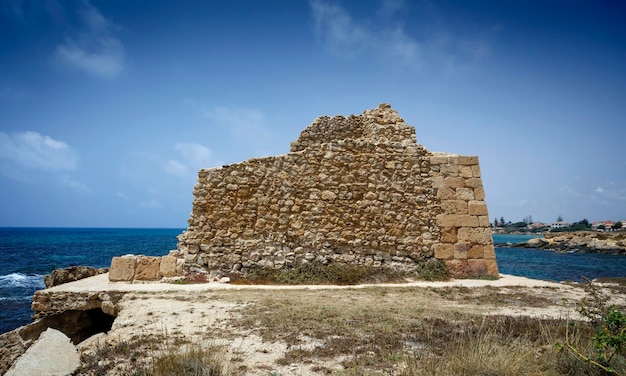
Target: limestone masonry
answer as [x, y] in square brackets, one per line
[356, 190]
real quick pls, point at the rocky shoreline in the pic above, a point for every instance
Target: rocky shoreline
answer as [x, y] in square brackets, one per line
[577, 242]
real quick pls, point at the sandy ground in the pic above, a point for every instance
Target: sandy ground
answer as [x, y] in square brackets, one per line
[101, 283]
[209, 312]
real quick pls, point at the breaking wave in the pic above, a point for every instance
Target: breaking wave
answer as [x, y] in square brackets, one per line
[19, 280]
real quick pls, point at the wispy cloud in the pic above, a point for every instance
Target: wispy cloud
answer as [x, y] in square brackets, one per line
[192, 157]
[22, 153]
[245, 125]
[94, 48]
[612, 191]
[34, 150]
[336, 28]
[386, 38]
[75, 185]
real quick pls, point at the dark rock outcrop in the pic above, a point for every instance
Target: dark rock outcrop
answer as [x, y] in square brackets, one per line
[73, 273]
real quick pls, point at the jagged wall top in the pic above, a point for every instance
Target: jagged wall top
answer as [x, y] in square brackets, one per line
[381, 125]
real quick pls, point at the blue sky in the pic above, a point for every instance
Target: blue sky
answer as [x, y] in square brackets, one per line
[108, 108]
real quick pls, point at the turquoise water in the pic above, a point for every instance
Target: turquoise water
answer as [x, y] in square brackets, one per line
[554, 266]
[30, 253]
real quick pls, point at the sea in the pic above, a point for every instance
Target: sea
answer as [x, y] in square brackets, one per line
[30, 253]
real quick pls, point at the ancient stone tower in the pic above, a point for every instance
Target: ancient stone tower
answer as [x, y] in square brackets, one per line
[356, 190]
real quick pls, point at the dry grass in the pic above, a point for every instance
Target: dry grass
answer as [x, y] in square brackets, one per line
[360, 331]
[157, 355]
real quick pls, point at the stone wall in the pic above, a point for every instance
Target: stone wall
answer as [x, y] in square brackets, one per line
[356, 190]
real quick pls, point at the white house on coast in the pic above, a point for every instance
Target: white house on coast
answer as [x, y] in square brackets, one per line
[560, 224]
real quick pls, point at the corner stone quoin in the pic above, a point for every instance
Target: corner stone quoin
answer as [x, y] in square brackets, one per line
[354, 189]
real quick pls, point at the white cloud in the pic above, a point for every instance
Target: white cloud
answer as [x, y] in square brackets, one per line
[335, 27]
[385, 38]
[174, 167]
[95, 49]
[193, 156]
[34, 150]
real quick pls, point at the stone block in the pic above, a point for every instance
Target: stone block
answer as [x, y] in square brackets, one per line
[448, 235]
[469, 221]
[468, 160]
[475, 235]
[444, 251]
[454, 206]
[466, 194]
[461, 250]
[476, 171]
[477, 208]
[482, 267]
[446, 194]
[438, 159]
[477, 251]
[473, 182]
[122, 269]
[148, 268]
[448, 220]
[454, 182]
[483, 221]
[465, 171]
[167, 268]
[51, 354]
[479, 193]
[457, 268]
[438, 182]
[490, 252]
[450, 170]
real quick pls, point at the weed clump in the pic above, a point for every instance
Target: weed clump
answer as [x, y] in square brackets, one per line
[433, 270]
[318, 273]
[605, 351]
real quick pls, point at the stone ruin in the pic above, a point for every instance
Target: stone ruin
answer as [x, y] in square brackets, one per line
[355, 190]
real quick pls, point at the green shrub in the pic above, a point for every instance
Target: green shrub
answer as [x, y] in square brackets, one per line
[433, 270]
[608, 352]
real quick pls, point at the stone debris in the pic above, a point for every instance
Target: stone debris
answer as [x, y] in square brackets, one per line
[51, 355]
[131, 268]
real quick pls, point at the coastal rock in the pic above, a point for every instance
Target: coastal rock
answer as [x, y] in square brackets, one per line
[537, 243]
[51, 355]
[580, 241]
[73, 273]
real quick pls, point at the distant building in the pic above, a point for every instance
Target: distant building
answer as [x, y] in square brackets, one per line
[606, 225]
[560, 224]
[536, 225]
